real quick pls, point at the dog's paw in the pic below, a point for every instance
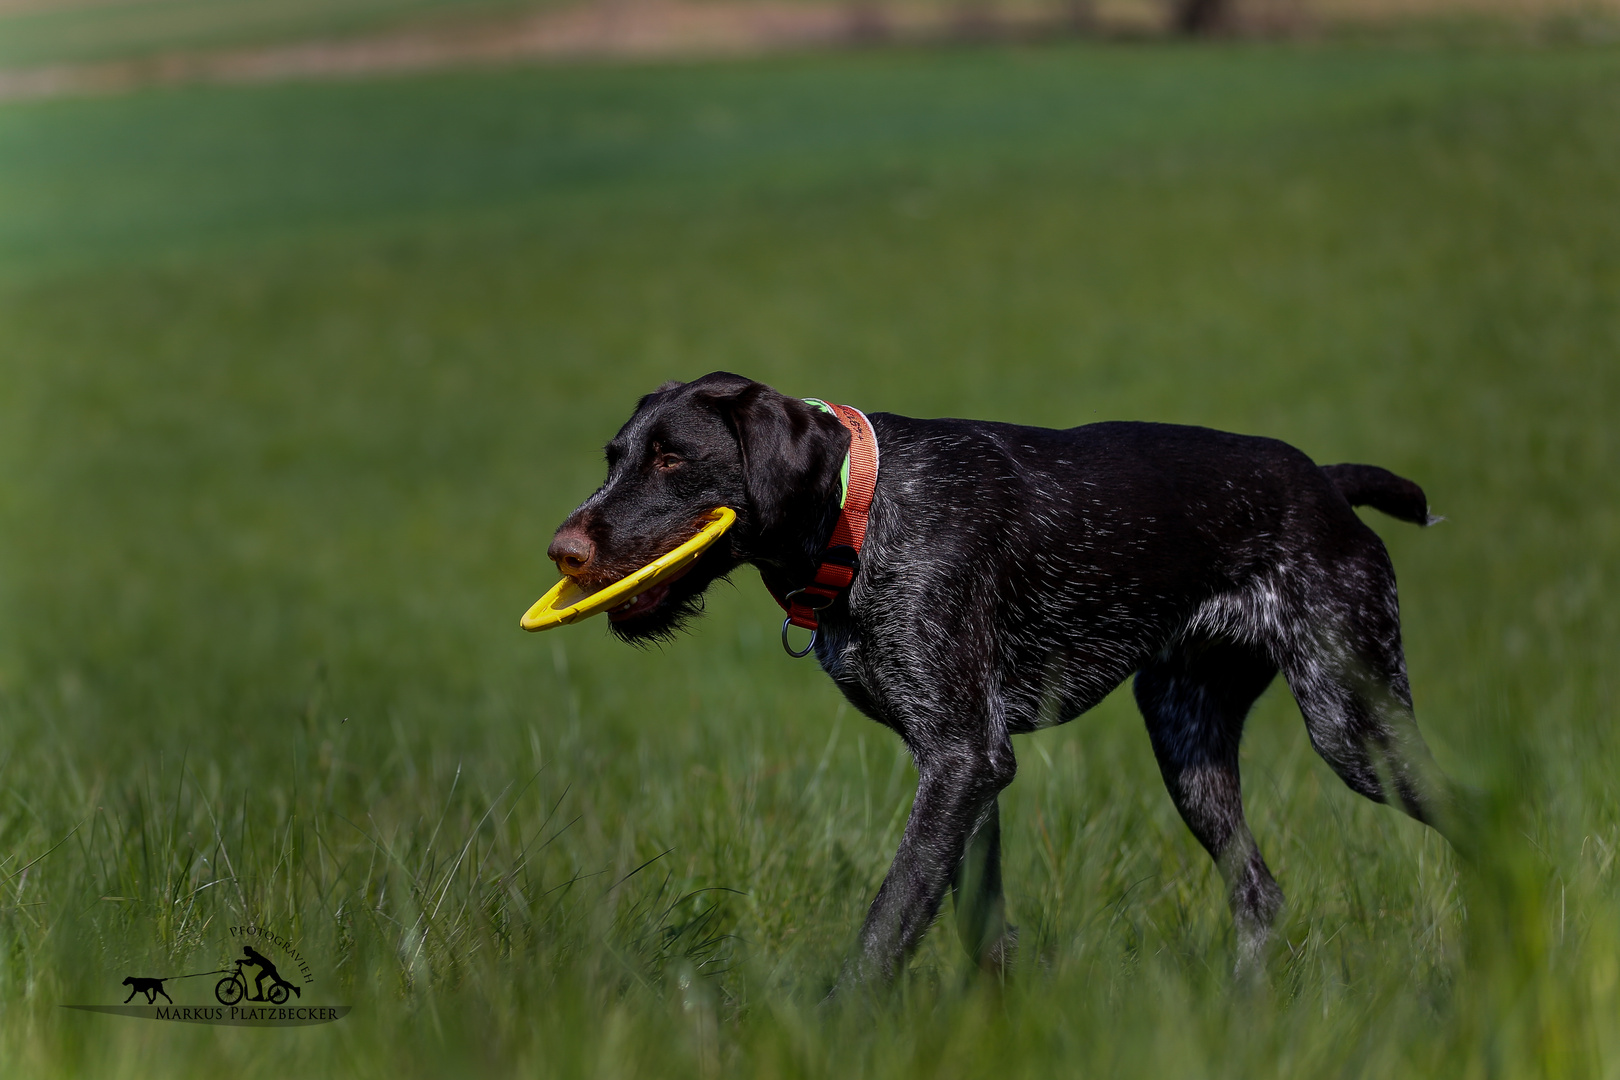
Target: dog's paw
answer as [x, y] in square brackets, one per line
[998, 957]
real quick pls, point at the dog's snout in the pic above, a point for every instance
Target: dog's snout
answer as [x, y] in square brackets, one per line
[572, 550]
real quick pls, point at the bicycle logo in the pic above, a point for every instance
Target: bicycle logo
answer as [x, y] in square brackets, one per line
[234, 986]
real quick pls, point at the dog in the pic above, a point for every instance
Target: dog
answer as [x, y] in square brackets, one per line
[1011, 577]
[150, 987]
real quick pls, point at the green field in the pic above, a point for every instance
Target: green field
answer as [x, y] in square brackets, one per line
[296, 382]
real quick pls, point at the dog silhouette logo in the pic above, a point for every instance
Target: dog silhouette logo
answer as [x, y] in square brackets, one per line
[150, 987]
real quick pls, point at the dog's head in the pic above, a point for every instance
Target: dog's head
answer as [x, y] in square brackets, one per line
[689, 447]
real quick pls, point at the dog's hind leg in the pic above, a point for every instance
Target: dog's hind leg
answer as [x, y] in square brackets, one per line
[1195, 697]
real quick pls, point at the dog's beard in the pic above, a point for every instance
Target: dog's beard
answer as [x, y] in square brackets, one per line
[675, 612]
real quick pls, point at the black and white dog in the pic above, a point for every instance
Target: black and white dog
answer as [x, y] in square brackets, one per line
[1011, 578]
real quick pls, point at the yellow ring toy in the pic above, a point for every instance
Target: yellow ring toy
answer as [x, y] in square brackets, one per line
[568, 601]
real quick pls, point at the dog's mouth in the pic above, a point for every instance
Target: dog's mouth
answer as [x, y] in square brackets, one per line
[646, 602]
[642, 599]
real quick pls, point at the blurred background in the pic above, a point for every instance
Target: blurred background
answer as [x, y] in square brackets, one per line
[315, 316]
[48, 46]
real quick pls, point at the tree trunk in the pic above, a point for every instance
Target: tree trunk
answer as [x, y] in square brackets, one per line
[1195, 18]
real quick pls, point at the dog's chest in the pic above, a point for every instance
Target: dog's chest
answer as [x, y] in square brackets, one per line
[838, 648]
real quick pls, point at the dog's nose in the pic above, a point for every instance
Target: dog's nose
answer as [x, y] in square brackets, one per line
[571, 550]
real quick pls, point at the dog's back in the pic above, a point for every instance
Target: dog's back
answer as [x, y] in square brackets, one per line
[1093, 547]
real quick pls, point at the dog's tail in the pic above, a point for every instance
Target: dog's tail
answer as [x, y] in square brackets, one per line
[1368, 485]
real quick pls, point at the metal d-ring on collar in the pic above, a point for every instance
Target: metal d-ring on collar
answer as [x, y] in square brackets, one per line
[814, 634]
[801, 596]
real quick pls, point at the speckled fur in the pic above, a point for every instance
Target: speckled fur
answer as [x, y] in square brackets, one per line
[1012, 577]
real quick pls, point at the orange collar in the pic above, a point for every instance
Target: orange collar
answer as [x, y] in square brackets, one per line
[841, 561]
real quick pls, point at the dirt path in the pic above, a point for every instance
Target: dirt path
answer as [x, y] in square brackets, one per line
[614, 28]
[606, 29]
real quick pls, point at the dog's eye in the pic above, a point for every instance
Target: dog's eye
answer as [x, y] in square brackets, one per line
[667, 461]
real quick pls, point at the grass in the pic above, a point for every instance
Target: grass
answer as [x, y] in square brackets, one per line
[295, 383]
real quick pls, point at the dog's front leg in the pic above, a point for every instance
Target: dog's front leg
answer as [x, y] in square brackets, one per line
[981, 909]
[956, 796]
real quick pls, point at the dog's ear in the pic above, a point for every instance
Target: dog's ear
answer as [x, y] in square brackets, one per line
[791, 450]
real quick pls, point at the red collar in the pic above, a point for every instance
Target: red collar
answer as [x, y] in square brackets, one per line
[841, 561]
